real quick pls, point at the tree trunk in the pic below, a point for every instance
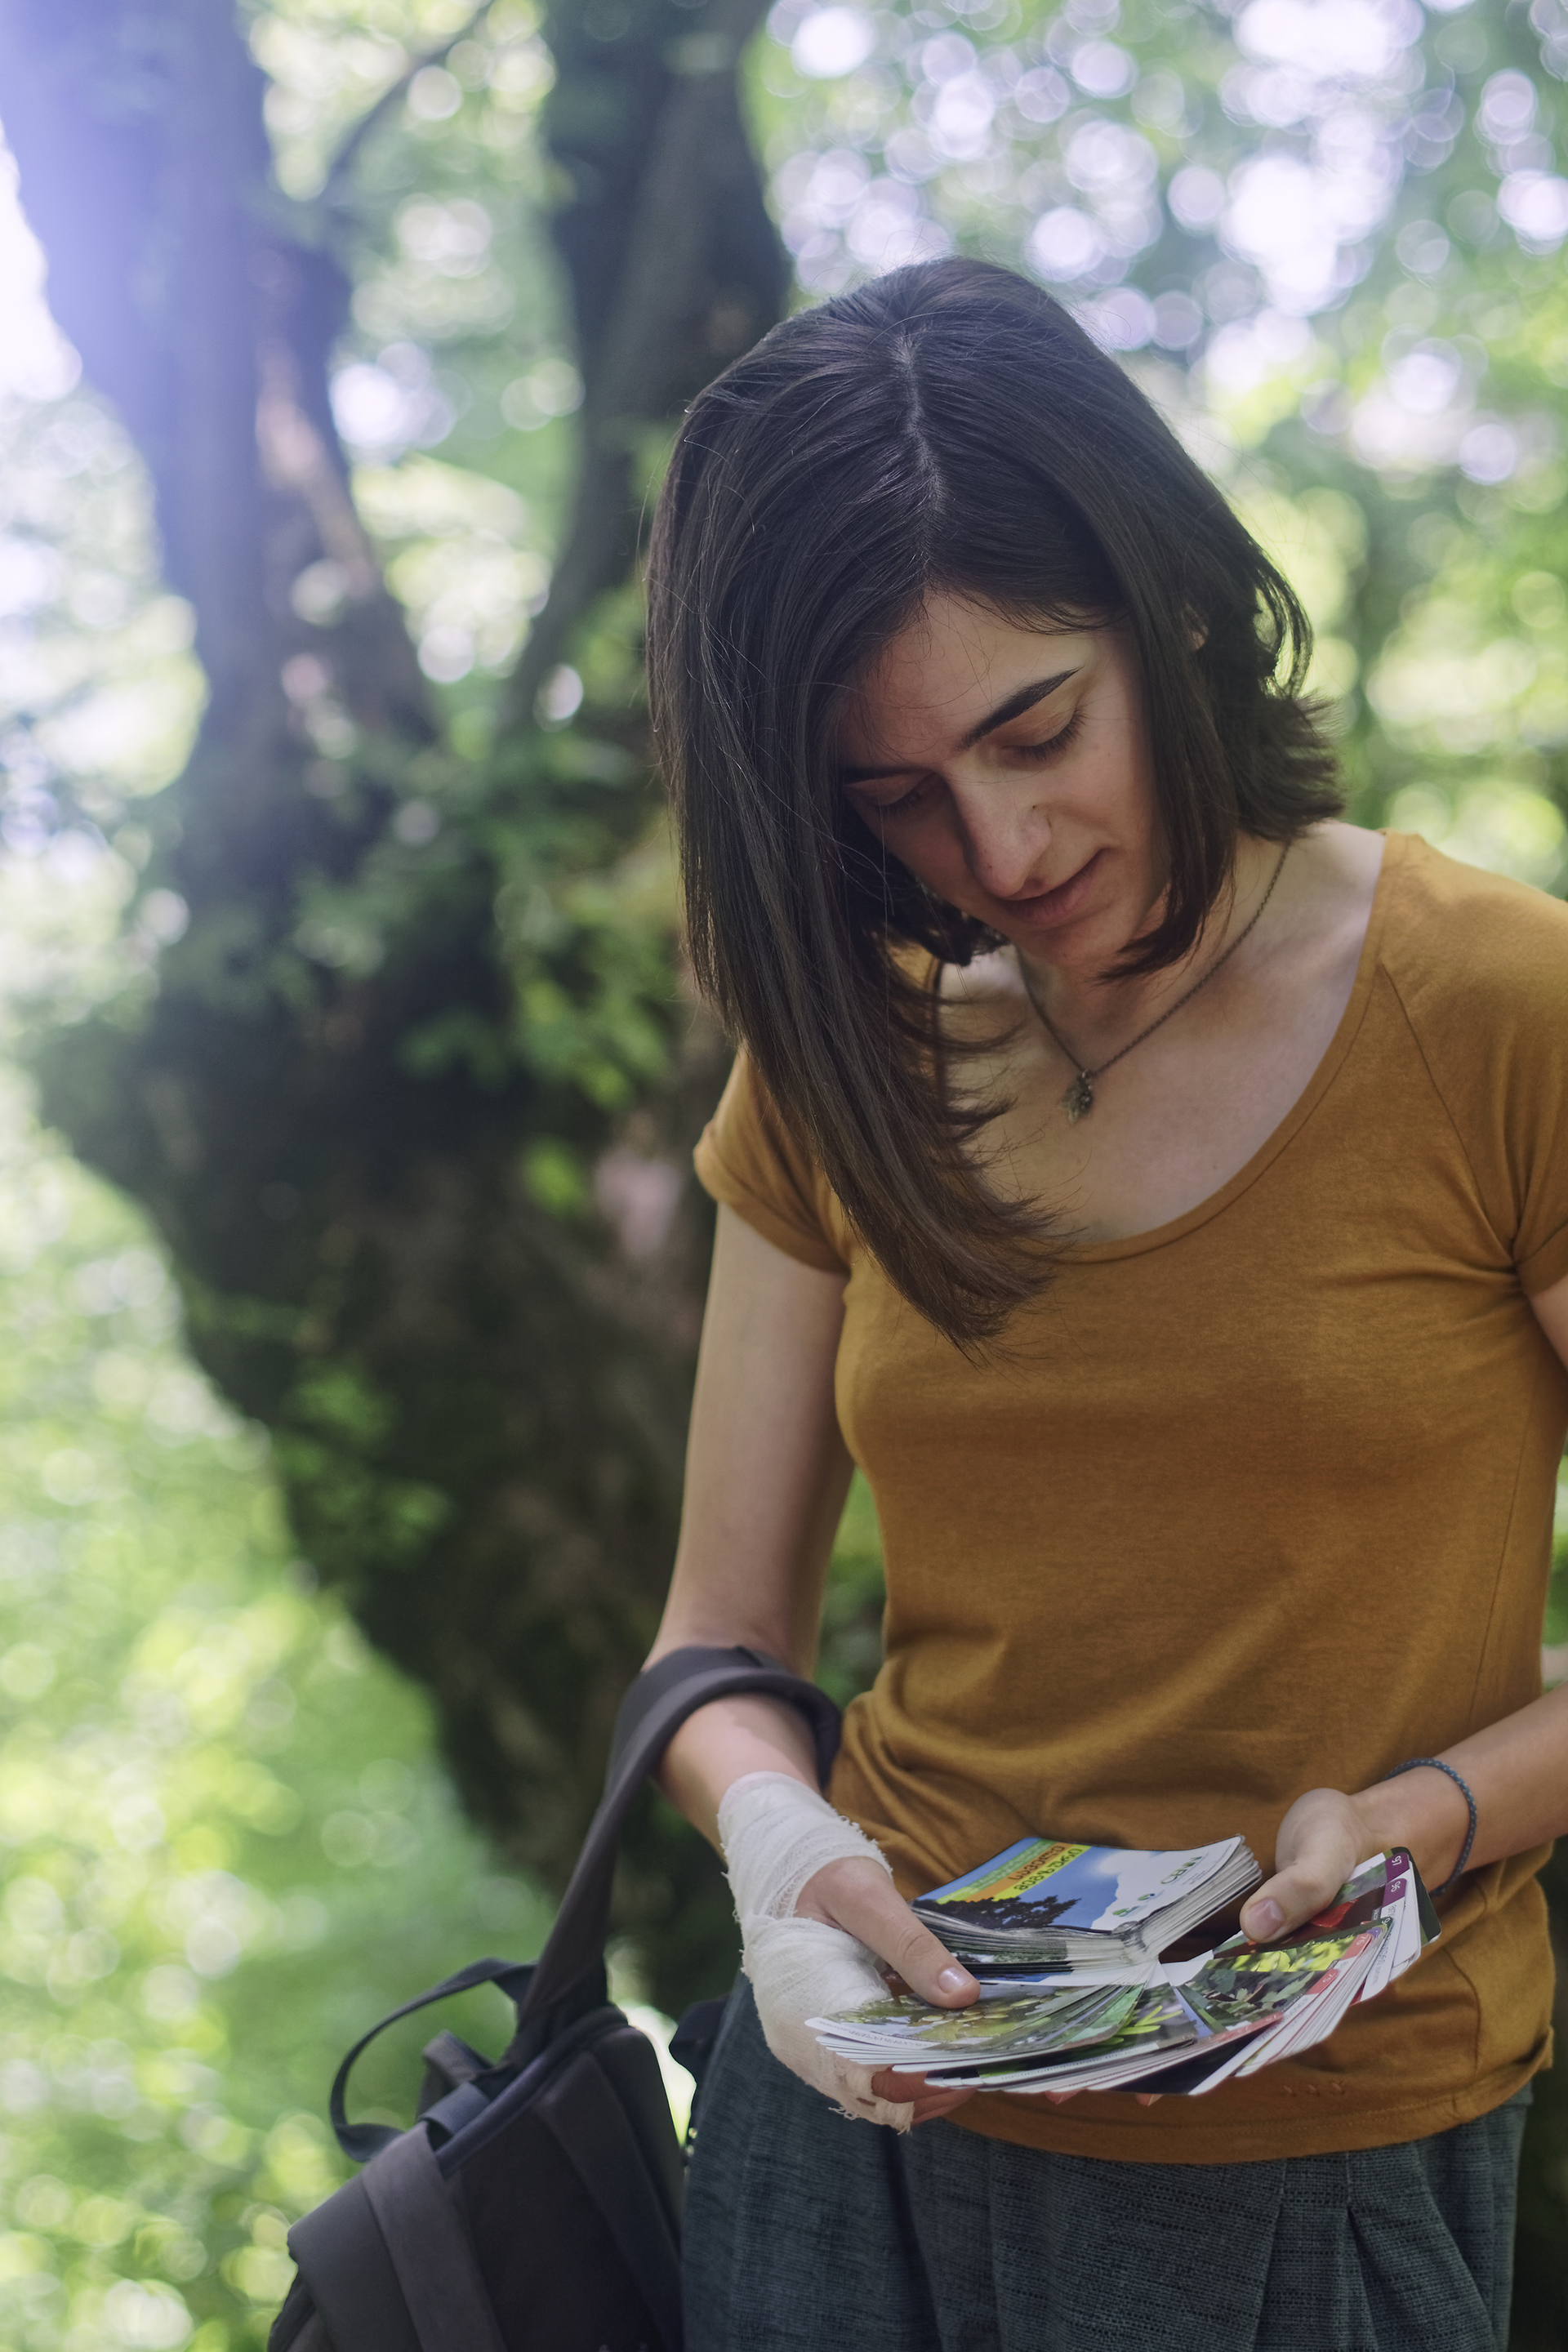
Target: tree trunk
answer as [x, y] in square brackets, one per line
[475, 1381]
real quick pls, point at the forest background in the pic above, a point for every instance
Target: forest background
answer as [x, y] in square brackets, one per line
[353, 1265]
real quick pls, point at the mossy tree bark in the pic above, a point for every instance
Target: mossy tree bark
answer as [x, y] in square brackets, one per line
[475, 1381]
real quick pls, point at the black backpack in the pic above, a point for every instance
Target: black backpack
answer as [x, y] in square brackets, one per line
[535, 2204]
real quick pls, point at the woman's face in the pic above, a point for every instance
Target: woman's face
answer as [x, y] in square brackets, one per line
[1009, 768]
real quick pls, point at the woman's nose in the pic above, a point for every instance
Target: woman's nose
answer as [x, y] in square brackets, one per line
[1005, 846]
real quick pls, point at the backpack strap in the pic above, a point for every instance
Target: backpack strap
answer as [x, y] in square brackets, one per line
[346, 2266]
[389, 2264]
[431, 2250]
[665, 1693]
[652, 1712]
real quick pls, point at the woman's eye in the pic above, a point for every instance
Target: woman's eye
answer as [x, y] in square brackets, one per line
[1052, 744]
[906, 803]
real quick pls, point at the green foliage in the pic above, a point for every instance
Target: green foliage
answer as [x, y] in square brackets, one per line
[1312, 242]
[1557, 1593]
[226, 1848]
[852, 1610]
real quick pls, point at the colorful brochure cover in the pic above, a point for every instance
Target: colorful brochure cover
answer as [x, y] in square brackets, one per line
[1042, 1883]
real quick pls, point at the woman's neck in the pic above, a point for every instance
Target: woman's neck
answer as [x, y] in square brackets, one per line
[1097, 1015]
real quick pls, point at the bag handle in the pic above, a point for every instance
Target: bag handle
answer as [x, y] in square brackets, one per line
[360, 2142]
[652, 1712]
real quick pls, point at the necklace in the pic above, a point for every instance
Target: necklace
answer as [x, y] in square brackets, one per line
[1079, 1099]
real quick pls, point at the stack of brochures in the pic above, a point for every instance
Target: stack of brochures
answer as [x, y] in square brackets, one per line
[1043, 1904]
[1135, 2022]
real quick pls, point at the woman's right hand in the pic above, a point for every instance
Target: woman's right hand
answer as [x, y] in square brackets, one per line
[860, 1899]
[767, 1473]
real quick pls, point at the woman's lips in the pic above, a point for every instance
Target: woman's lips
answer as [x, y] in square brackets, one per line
[1048, 908]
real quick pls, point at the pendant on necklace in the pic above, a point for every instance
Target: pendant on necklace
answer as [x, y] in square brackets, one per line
[1079, 1099]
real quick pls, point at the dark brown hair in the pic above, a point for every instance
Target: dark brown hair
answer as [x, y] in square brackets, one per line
[948, 427]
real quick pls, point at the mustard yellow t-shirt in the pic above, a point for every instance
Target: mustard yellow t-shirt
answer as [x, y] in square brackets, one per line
[1258, 1502]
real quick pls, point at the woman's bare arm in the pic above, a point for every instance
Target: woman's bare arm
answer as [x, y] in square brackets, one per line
[1551, 1307]
[766, 1476]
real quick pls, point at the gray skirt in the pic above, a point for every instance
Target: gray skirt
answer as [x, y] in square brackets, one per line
[806, 2231]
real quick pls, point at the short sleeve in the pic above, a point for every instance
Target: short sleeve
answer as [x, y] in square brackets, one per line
[745, 1161]
[1490, 1005]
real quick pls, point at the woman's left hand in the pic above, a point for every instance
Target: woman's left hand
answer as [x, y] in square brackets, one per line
[1319, 1844]
[1320, 1841]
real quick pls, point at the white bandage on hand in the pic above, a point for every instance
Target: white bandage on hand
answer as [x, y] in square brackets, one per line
[777, 1834]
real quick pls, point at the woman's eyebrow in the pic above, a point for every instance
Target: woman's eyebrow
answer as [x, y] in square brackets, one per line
[1017, 704]
[1014, 707]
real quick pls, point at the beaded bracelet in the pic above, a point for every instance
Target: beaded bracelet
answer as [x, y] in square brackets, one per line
[1435, 1764]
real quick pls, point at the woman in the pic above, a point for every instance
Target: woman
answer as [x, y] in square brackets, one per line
[1161, 1188]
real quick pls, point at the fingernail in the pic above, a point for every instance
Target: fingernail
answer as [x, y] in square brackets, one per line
[1267, 1920]
[955, 1980]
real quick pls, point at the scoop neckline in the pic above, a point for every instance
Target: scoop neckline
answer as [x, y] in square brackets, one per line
[1335, 1053]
